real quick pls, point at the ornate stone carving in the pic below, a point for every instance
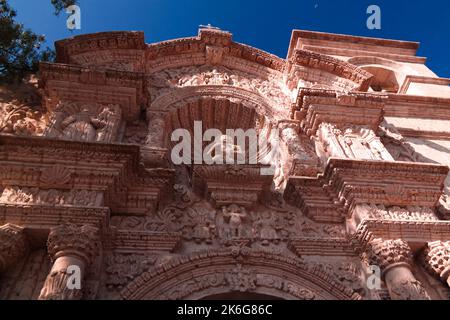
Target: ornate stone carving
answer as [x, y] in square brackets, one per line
[444, 207]
[24, 281]
[13, 245]
[50, 197]
[272, 89]
[214, 54]
[354, 142]
[397, 145]
[241, 279]
[20, 108]
[385, 253]
[155, 134]
[436, 259]
[121, 268]
[233, 226]
[136, 133]
[346, 272]
[69, 245]
[85, 122]
[58, 175]
[399, 213]
[300, 158]
[394, 258]
[21, 120]
[409, 290]
[199, 222]
[140, 226]
[72, 239]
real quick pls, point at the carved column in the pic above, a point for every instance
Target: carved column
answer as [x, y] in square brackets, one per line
[156, 126]
[436, 258]
[394, 257]
[299, 155]
[13, 245]
[70, 247]
[153, 152]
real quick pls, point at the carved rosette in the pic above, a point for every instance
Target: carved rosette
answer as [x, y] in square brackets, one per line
[13, 245]
[394, 258]
[436, 259]
[70, 247]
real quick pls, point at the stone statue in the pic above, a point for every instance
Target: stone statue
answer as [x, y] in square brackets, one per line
[235, 216]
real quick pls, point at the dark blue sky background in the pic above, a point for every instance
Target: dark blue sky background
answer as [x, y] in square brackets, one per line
[263, 24]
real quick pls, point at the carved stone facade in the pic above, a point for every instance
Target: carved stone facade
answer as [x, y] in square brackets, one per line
[93, 205]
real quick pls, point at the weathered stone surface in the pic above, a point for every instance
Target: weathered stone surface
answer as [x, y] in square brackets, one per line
[357, 178]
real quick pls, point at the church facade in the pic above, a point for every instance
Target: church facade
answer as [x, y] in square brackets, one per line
[354, 204]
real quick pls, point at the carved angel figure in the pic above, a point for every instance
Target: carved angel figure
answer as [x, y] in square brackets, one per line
[235, 216]
[265, 227]
[81, 126]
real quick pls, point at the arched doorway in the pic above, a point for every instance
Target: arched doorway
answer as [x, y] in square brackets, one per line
[234, 272]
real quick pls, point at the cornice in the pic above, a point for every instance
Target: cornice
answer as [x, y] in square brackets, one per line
[98, 41]
[332, 65]
[114, 169]
[314, 106]
[345, 183]
[322, 247]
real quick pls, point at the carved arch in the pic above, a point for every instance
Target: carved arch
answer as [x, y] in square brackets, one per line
[214, 272]
[180, 96]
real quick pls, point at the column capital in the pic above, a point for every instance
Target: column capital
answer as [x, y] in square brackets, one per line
[389, 253]
[436, 259]
[13, 245]
[74, 240]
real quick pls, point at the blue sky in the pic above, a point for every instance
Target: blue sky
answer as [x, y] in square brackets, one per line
[263, 24]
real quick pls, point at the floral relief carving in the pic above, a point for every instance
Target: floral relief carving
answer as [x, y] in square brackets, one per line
[167, 80]
[400, 213]
[49, 197]
[199, 222]
[21, 112]
[410, 290]
[121, 268]
[241, 279]
[21, 120]
[99, 188]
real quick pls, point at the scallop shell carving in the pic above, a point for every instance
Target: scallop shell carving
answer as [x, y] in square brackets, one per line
[56, 175]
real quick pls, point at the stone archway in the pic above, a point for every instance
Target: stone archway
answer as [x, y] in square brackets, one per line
[237, 269]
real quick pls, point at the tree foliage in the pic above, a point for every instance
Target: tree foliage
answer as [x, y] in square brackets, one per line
[60, 5]
[20, 48]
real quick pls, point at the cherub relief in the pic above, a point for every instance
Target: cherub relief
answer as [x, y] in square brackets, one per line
[234, 215]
